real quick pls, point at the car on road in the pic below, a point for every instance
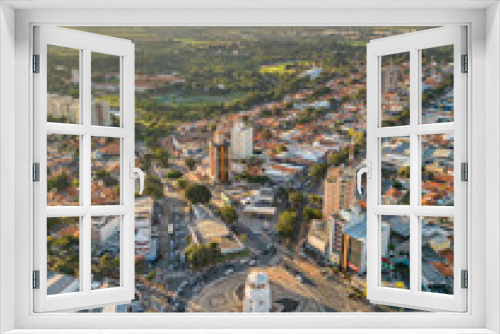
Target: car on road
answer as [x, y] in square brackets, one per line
[299, 278]
[228, 271]
[252, 262]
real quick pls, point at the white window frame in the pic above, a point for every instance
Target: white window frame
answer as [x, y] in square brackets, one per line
[412, 44]
[85, 43]
[483, 50]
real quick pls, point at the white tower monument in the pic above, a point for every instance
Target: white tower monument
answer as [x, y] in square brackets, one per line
[257, 293]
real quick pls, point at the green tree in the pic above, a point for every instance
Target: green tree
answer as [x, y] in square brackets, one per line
[59, 182]
[336, 159]
[281, 148]
[108, 267]
[282, 193]
[198, 193]
[404, 172]
[296, 198]
[174, 174]
[190, 163]
[63, 254]
[182, 183]
[153, 188]
[315, 200]
[310, 213]
[151, 275]
[286, 223]
[318, 171]
[397, 184]
[228, 214]
[200, 255]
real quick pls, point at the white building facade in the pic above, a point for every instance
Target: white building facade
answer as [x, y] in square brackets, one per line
[241, 141]
[257, 293]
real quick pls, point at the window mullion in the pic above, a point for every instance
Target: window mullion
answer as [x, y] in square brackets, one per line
[86, 160]
[414, 169]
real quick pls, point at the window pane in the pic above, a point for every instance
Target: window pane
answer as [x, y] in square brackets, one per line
[437, 254]
[437, 85]
[105, 252]
[105, 89]
[63, 168]
[63, 84]
[63, 255]
[105, 171]
[437, 169]
[395, 251]
[395, 164]
[395, 89]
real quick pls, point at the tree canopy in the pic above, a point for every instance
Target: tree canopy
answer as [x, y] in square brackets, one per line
[200, 255]
[190, 163]
[198, 194]
[228, 214]
[286, 223]
[310, 213]
[296, 198]
[174, 174]
[153, 187]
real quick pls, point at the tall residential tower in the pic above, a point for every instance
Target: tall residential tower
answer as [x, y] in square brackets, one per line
[219, 159]
[241, 141]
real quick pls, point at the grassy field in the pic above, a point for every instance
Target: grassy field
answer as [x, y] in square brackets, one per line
[199, 99]
[284, 68]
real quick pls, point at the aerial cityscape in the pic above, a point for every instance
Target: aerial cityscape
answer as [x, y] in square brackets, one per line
[250, 138]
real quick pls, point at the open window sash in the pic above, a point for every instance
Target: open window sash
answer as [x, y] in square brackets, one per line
[80, 292]
[415, 293]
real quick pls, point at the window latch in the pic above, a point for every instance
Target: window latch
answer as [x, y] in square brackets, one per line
[368, 170]
[132, 171]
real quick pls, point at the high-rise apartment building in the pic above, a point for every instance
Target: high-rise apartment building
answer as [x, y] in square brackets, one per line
[241, 141]
[66, 107]
[101, 113]
[340, 190]
[219, 159]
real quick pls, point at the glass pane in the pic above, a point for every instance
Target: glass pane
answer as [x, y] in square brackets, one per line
[63, 84]
[63, 168]
[105, 89]
[395, 89]
[395, 173]
[437, 85]
[63, 255]
[105, 252]
[105, 171]
[437, 254]
[437, 169]
[395, 251]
